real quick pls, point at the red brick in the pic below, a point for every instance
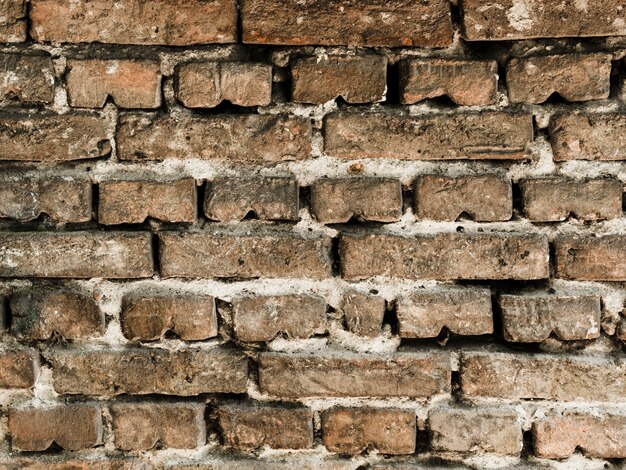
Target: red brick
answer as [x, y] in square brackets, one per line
[18, 369]
[76, 254]
[484, 198]
[591, 259]
[366, 23]
[13, 21]
[133, 202]
[445, 256]
[329, 374]
[160, 22]
[487, 135]
[26, 79]
[363, 313]
[466, 82]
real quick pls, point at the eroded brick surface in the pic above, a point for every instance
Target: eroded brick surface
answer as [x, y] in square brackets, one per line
[25, 79]
[363, 313]
[13, 21]
[18, 369]
[591, 258]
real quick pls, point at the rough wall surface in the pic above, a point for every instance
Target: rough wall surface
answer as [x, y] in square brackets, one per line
[312, 234]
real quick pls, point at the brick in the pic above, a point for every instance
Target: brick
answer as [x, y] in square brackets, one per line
[328, 374]
[51, 138]
[553, 199]
[497, 431]
[484, 198]
[288, 462]
[150, 317]
[63, 199]
[538, 19]
[356, 79]
[531, 319]
[225, 254]
[262, 318]
[363, 313]
[462, 312]
[207, 84]
[465, 82]
[135, 371]
[445, 256]
[488, 135]
[575, 77]
[42, 314]
[543, 376]
[271, 198]
[72, 427]
[26, 79]
[591, 259]
[130, 83]
[274, 138]
[370, 199]
[621, 330]
[13, 20]
[123, 255]
[601, 435]
[133, 202]
[18, 369]
[46, 463]
[143, 426]
[161, 22]
[326, 22]
[247, 426]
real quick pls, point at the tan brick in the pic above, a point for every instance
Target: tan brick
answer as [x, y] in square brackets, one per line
[18, 369]
[488, 135]
[363, 313]
[246, 426]
[373, 199]
[445, 256]
[134, 201]
[76, 254]
[26, 79]
[484, 198]
[143, 426]
[271, 198]
[530, 319]
[207, 84]
[329, 374]
[160, 22]
[274, 138]
[465, 82]
[591, 259]
[575, 77]
[462, 312]
[289, 461]
[356, 79]
[63, 463]
[368, 23]
[13, 20]
[149, 317]
[72, 427]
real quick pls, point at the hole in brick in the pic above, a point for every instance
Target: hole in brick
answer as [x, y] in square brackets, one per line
[443, 101]
[455, 385]
[455, 13]
[5, 314]
[422, 441]
[616, 79]
[408, 198]
[334, 256]
[518, 207]
[250, 215]
[555, 98]
[213, 428]
[498, 326]
[391, 316]
[281, 85]
[393, 84]
[201, 192]
[464, 216]
[304, 197]
[527, 444]
[155, 253]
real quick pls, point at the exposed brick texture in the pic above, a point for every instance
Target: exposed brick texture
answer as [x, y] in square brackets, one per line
[13, 21]
[363, 313]
[593, 259]
[26, 79]
[18, 369]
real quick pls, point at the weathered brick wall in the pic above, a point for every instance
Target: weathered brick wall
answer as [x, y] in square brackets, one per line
[312, 234]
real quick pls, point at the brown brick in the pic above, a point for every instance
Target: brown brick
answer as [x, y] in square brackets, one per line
[18, 369]
[497, 431]
[134, 371]
[554, 199]
[207, 84]
[271, 198]
[466, 82]
[445, 256]
[274, 138]
[64, 199]
[367, 23]
[41, 315]
[601, 435]
[76, 254]
[484, 198]
[462, 312]
[150, 317]
[41, 137]
[353, 430]
[142, 426]
[13, 20]
[543, 376]
[356, 79]
[134, 201]
[363, 313]
[63, 463]
[575, 77]
[224, 254]
[130, 83]
[373, 199]
[329, 374]
[26, 79]
[253, 427]
[488, 135]
[512, 19]
[160, 22]
[531, 319]
[591, 259]
[72, 427]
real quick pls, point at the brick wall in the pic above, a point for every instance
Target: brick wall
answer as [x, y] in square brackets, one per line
[313, 234]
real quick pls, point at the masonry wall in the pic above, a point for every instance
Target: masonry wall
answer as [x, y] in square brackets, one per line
[313, 234]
